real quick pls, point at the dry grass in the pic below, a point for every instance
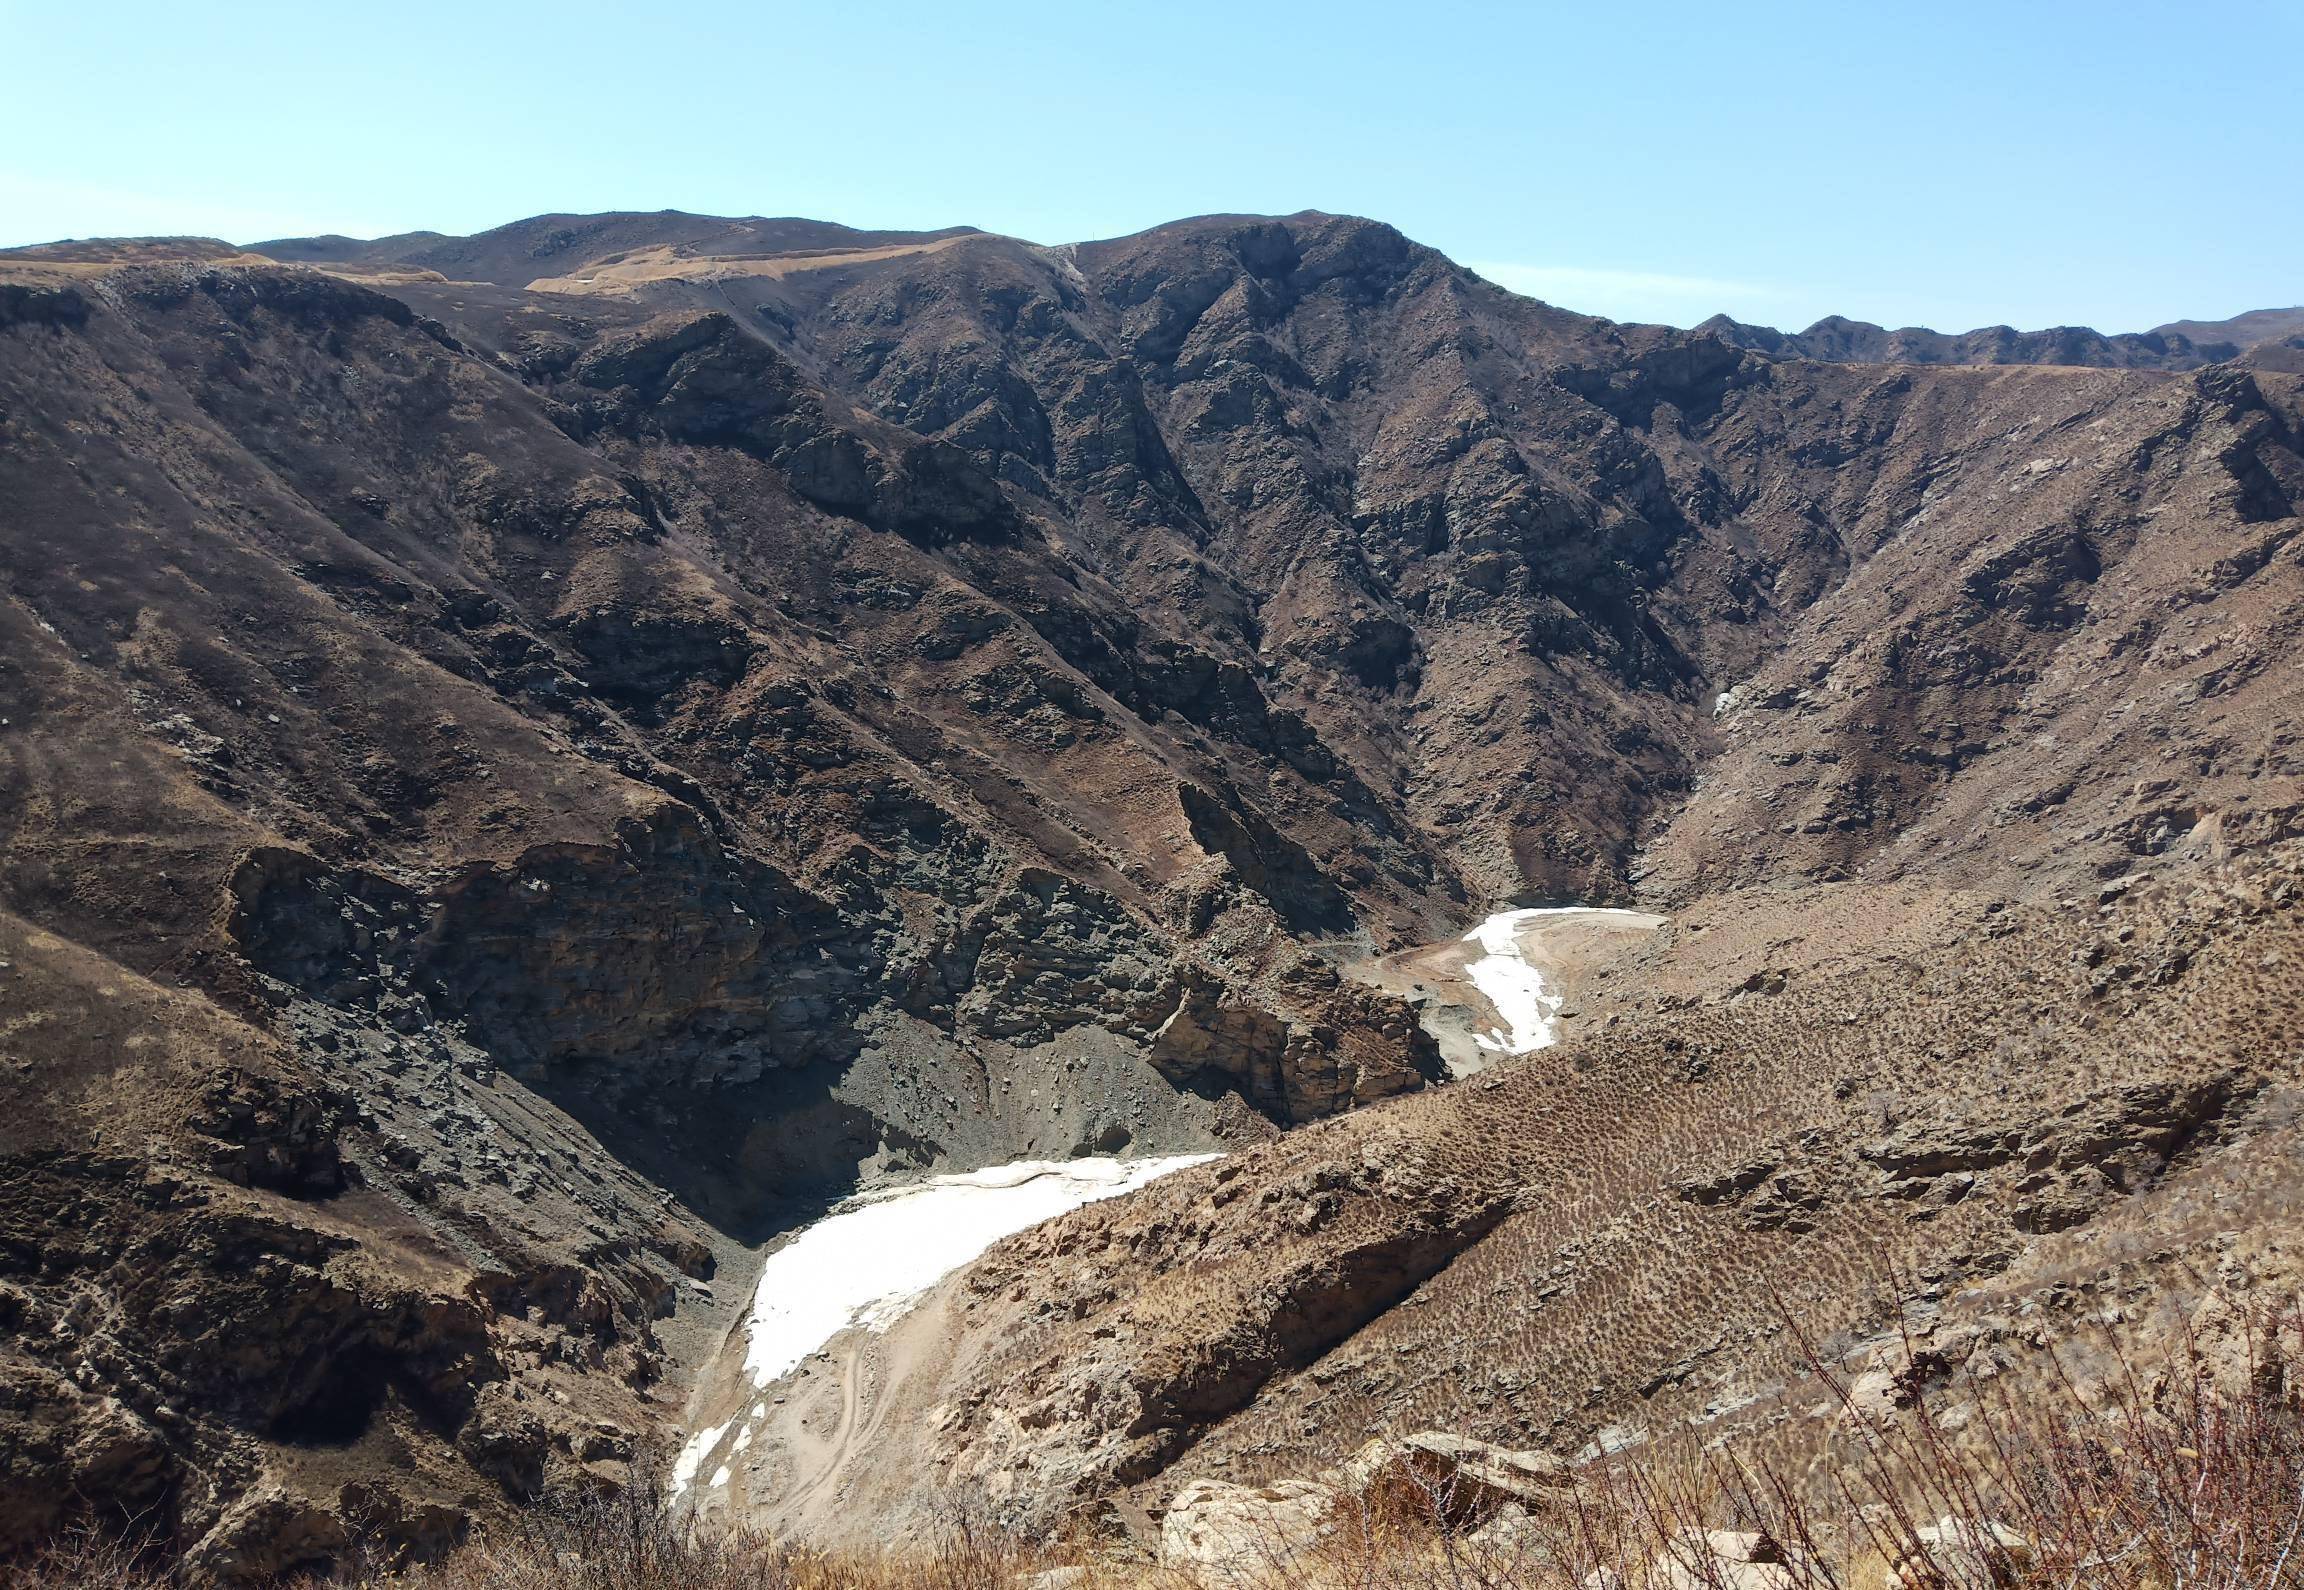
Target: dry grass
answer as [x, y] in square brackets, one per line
[620, 1544]
[1613, 1268]
[623, 1541]
[624, 274]
[2188, 1475]
[2184, 1475]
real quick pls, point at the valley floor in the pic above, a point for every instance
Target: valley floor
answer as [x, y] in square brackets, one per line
[826, 1291]
[1511, 985]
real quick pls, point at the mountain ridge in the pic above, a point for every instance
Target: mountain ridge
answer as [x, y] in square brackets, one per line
[2176, 344]
[2200, 340]
[518, 797]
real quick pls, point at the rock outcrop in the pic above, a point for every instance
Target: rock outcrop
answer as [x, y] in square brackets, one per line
[1452, 1480]
[1222, 1536]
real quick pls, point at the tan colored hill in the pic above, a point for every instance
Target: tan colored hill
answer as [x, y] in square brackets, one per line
[628, 272]
[2248, 330]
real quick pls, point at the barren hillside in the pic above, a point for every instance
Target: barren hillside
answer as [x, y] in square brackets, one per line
[533, 762]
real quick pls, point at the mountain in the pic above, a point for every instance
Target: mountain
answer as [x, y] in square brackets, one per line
[536, 761]
[544, 245]
[2250, 330]
[2179, 345]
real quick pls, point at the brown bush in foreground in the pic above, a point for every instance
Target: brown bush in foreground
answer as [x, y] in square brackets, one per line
[2186, 1476]
[627, 1541]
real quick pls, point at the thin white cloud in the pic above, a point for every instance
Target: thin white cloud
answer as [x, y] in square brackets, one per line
[1638, 295]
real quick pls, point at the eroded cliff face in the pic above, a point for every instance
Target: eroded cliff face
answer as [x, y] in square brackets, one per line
[512, 797]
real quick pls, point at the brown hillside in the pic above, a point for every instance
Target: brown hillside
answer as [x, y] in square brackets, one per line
[510, 799]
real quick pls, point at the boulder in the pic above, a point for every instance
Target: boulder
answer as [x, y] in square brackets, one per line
[1512, 1533]
[1723, 1559]
[1452, 1477]
[1225, 1536]
[1964, 1551]
[267, 1534]
[1071, 1577]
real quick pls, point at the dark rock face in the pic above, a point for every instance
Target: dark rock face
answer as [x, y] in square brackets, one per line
[506, 796]
[1267, 862]
[1353, 1045]
[658, 952]
[25, 304]
[703, 380]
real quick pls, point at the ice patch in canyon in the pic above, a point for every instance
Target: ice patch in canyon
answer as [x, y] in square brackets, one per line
[868, 1262]
[1515, 985]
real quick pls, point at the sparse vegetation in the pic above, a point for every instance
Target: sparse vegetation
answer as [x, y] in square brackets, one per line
[1666, 1190]
[2183, 1475]
[508, 804]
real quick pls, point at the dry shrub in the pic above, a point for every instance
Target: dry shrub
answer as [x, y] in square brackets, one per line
[2184, 1475]
[2188, 1475]
[633, 1540]
[630, 1539]
[85, 1559]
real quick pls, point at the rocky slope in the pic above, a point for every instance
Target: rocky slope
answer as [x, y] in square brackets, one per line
[533, 760]
[2058, 1127]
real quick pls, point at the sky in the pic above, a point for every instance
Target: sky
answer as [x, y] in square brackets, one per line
[2027, 162]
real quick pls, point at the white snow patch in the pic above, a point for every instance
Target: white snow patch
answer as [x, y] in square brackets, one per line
[869, 1261]
[692, 1456]
[720, 1477]
[1514, 985]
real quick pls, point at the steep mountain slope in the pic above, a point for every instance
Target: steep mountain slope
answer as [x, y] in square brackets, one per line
[1286, 446]
[347, 691]
[2062, 638]
[515, 796]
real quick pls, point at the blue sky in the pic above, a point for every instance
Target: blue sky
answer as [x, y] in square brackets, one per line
[1948, 164]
